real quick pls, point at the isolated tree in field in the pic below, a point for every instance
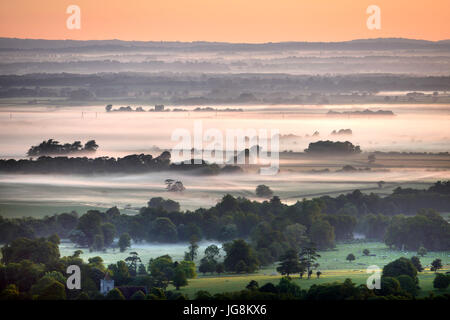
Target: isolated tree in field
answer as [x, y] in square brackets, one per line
[318, 273]
[422, 251]
[263, 191]
[416, 262]
[441, 281]
[436, 265]
[366, 252]
[124, 242]
[308, 256]
[350, 257]
[289, 263]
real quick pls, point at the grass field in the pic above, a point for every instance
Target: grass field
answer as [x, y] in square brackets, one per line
[215, 284]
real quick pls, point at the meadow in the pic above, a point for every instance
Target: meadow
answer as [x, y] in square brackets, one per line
[333, 265]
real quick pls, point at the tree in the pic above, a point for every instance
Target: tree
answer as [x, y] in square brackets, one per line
[124, 242]
[350, 257]
[120, 272]
[99, 243]
[115, 294]
[416, 262]
[308, 257]
[240, 257]
[389, 286]
[109, 232]
[138, 295]
[220, 268]
[207, 265]
[295, 234]
[212, 252]
[366, 252]
[399, 267]
[241, 267]
[322, 234]
[163, 230]
[252, 285]
[35, 250]
[263, 191]
[179, 279]
[407, 284]
[55, 291]
[422, 251]
[318, 273]
[133, 262]
[191, 254]
[289, 263]
[11, 292]
[436, 265]
[441, 281]
[162, 270]
[188, 267]
[91, 146]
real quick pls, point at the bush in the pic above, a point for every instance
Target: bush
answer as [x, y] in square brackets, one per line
[115, 294]
[407, 284]
[441, 281]
[399, 267]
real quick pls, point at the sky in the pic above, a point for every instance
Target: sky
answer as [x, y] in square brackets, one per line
[225, 20]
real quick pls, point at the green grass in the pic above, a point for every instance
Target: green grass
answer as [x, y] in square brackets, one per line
[333, 266]
[219, 284]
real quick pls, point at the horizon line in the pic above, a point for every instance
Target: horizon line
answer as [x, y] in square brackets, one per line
[227, 42]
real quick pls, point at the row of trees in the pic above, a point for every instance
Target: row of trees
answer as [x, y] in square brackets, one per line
[271, 226]
[134, 163]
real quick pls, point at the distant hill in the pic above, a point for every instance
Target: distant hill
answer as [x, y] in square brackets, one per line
[89, 45]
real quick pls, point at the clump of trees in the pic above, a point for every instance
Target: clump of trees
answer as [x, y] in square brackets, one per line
[53, 147]
[263, 191]
[332, 147]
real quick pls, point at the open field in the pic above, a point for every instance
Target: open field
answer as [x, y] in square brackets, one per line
[220, 284]
[333, 265]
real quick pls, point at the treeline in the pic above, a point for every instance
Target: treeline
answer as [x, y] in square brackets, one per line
[271, 226]
[52, 147]
[135, 163]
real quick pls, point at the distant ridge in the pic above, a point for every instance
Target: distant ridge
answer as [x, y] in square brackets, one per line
[114, 44]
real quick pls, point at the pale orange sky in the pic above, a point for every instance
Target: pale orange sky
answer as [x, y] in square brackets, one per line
[225, 20]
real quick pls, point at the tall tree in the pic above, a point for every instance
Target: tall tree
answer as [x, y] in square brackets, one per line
[289, 263]
[308, 256]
